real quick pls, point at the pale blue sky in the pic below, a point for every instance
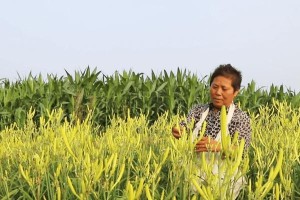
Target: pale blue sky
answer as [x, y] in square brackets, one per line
[259, 37]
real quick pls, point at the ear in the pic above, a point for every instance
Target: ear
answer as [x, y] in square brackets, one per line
[236, 93]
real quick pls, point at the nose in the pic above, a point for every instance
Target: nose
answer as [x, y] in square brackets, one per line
[218, 91]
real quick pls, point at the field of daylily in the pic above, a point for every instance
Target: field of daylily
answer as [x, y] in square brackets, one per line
[87, 136]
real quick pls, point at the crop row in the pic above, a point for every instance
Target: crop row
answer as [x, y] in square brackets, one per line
[110, 96]
[134, 160]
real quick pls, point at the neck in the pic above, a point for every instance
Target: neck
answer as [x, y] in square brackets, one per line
[216, 109]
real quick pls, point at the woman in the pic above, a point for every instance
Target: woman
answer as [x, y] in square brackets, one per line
[224, 86]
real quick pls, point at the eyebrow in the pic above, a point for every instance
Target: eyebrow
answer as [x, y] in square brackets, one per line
[219, 85]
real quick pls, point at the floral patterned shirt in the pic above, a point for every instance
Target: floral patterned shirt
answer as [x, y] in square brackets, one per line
[240, 122]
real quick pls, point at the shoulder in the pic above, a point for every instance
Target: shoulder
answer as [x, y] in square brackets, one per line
[197, 110]
[241, 115]
[240, 112]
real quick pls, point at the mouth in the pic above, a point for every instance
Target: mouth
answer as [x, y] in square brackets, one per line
[218, 99]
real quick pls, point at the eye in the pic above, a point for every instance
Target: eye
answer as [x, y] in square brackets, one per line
[224, 88]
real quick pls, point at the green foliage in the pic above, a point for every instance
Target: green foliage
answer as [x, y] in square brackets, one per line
[251, 98]
[60, 158]
[276, 127]
[111, 96]
[93, 136]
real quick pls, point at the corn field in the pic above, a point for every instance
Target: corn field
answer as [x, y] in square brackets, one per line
[112, 96]
[110, 138]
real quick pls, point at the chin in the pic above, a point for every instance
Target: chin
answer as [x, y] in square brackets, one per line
[217, 105]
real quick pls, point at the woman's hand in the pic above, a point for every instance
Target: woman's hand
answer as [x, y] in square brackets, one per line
[177, 131]
[207, 144]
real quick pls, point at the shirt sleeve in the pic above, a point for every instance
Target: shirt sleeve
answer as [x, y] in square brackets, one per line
[188, 119]
[244, 129]
[193, 115]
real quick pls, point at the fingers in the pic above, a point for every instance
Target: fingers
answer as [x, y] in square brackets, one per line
[175, 129]
[198, 149]
[207, 149]
[204, 141]
[176, 135]
[207, 144]
[201, 148]
[176, 132]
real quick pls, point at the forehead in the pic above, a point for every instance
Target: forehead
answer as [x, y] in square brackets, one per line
[222, 81]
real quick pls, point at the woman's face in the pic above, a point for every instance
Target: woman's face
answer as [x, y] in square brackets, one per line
[222, 92]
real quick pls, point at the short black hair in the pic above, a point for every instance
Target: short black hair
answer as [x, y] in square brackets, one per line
[228, 71]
